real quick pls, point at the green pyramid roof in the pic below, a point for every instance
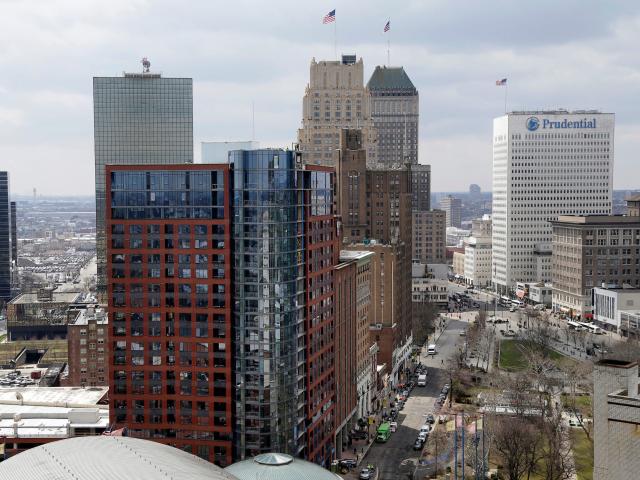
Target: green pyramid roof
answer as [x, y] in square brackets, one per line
[390, 78]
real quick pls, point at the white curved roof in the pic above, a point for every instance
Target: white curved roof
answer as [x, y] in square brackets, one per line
[279, 466]
[108, 458]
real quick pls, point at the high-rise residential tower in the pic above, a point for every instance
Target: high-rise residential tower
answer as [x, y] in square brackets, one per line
[395, 115]
[545, 164]
[139, 118]
[5, 238]
[335, 98]
[285, 250]
[168, 261]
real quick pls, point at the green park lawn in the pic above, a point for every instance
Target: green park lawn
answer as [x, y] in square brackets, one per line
[512, 360]
[582, 454]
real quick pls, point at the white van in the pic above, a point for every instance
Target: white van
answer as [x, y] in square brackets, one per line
[422, 380]
[431, 349]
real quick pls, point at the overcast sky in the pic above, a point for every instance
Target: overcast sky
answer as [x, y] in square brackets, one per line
[575, 54]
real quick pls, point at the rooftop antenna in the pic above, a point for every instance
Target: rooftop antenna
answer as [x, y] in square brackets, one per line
[146, 64]
[253, 120]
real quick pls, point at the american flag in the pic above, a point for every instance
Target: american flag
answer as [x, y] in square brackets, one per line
[501, 83]
[329, 17]
[387, 27]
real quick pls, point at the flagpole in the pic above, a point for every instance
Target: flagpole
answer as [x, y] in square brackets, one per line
[463, 429]
[335, 38]
[455, 447]
[506, 89]
[389, 44]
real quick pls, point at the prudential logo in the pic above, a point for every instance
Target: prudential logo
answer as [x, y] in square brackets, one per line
[532, 124]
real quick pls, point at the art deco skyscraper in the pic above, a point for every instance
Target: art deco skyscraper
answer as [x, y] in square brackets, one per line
[335, 98]
[139, 118]
[395, 115]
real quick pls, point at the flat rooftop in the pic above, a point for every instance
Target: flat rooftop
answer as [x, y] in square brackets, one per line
[559, 111]
[348, 255]
[596, 220]
[69, 397]
[57, 297]
[84, 316]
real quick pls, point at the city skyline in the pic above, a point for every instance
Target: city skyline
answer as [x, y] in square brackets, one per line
[453, 56]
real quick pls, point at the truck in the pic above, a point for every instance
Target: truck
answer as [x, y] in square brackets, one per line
[422, 380]
[384, 432]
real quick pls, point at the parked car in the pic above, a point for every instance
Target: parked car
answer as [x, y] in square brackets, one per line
[422, 436]
[348, 463]
[366, 474]
[359, 434]
[393, 426]
[430, 419]
[418, 445]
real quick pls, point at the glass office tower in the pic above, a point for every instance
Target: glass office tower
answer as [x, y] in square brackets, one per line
[140, 118]
[5, 238]
[268, 294]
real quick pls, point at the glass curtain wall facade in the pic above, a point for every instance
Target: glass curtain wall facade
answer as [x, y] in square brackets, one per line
[5, 238]
[140, 118]
[169, 290]
[269, 302]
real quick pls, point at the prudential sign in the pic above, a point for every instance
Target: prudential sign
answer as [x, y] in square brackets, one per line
[534, 123]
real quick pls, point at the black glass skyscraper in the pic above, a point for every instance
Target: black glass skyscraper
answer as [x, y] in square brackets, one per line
[140, 118]
[5, 238]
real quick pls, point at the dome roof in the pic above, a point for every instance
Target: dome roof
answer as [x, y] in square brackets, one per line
[279, 466]
[107, 458]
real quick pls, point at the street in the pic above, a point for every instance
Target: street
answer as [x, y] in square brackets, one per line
[396, 458]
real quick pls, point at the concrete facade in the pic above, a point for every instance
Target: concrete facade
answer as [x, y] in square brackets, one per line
[429, 236]
[616, 420]
[458, 263]
[453, 208]
[477, 261]
[588, 251]
[335, 98]
[609, 303]
[545, 164]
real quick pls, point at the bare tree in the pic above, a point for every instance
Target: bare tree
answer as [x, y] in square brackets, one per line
[517, 440]
[423, 319]
[558, 461]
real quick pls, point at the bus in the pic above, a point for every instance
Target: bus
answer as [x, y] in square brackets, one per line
[505, 301]
[517, 303]
[591, 328]
[574, 325]
[384, 432]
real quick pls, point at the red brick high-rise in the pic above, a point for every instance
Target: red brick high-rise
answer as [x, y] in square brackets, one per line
[169, 287]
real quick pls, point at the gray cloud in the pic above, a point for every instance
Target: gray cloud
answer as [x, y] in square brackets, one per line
[572, 54]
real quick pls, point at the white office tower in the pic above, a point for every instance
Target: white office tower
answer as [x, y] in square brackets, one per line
[545, 164]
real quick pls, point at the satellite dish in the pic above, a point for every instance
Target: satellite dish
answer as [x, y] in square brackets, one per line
[146, 64]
